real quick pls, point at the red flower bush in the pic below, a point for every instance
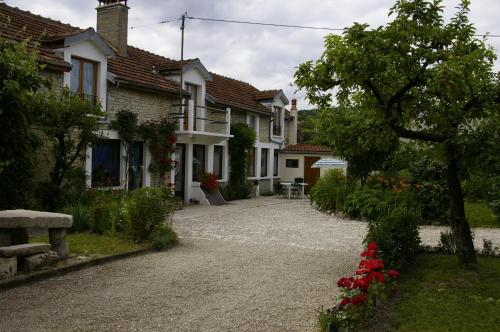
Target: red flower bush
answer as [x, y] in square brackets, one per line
[208, 181]
[362, 291]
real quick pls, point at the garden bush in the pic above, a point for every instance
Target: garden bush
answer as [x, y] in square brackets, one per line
[164, 237]
[330, 191]
[374, 203]
[397, 236]
[429, 177]
[83, 216]
[145, 210]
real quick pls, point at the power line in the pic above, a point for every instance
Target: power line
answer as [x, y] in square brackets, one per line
[269, 24]
[157, 23]
[265, 24]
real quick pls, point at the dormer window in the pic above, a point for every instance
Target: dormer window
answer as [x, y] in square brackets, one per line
[84, 78]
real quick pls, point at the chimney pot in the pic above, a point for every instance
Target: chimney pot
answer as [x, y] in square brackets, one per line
[112, 23]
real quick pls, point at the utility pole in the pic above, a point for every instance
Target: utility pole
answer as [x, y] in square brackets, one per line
[181, 109]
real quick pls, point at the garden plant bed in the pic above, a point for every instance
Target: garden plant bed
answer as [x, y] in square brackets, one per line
[436, 294]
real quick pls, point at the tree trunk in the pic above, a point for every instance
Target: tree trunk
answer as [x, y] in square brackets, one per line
[459, 225]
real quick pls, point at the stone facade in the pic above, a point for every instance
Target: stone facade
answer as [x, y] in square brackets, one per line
[238, 116]
[147, 105]
[264, 128]
[216, 116]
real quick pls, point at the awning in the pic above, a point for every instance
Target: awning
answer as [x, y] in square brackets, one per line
[329, 163]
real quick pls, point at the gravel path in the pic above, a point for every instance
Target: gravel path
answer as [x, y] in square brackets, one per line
[256, 265]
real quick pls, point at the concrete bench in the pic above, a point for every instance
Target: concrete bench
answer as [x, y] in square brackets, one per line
[14, 225]
[27, 257]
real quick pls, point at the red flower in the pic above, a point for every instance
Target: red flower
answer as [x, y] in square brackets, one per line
[377, 275]
[393, 273]
[344, 283]
[372, 245]
[361, 283]
[345, 301]
[171, 139]
[358, 299]
[369, 253]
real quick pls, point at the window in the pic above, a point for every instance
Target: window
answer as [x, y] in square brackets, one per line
[292, 163]
[252, 122]
[84, 78]
[264, 154]
[106, 163]
[198, 161]
[251, 162]
[135, 167]
[218, 154]
[277, 121]
[276, 160]
[193, 89]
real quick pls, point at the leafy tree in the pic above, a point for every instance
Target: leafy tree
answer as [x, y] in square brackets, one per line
[363, 141]
[20, 80]
[71, 124]
[306, 127]
[425, 79]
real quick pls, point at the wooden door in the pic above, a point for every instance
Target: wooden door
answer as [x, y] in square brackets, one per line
[311, 175]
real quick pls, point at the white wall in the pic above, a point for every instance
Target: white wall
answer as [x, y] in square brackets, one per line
[88, 50]
[288, 174]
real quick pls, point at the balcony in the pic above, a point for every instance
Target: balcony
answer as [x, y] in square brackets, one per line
[204, 123]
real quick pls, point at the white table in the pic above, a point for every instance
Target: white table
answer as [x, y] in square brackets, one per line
[288, 186]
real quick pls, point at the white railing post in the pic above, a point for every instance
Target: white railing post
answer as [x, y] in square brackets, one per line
[191, 118]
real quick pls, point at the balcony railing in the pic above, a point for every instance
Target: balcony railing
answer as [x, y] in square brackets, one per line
[206, 120]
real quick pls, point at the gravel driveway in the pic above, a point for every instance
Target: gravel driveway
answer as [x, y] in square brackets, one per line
[256, 265]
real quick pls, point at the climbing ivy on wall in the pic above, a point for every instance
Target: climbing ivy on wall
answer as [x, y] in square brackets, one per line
[160, 138]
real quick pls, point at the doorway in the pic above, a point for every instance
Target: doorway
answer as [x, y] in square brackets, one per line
[180, 170]
[311, 175]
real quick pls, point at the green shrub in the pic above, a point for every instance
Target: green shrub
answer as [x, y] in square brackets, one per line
[232, 192]
[397, 237]
[430, 177]
[83, 216]
[164, 237]
[145, 210]
[330, 191]
[107, 212]
[447, 242]
[374, 203]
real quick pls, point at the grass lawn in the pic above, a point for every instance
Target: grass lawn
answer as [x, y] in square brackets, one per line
[436, 294]
[94, 244]
[480, 215]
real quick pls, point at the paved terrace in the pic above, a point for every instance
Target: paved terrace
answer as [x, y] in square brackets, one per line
[264, 264]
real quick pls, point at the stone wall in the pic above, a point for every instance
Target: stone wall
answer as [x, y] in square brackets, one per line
[215, 127]
[238, 116]
[147, 105]
[264, 128]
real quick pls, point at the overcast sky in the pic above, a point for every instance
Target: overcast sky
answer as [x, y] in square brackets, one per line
[266, 57]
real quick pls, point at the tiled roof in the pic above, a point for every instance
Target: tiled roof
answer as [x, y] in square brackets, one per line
[307, 148]
[137, 67]
[266, 94]
[234, 93]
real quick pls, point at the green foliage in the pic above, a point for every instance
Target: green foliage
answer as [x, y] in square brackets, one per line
[70, 123]
[242, 141]
[425, 78]
[164, 237]
[330, 191]
[480, 214]
[19, 83]
[430, 177]
[126, 125]
[83, 216]
[160, 137]
[447, 243]
[147, 209]
[307, 129]
[397, 236]
[107, 215]
[375, 203]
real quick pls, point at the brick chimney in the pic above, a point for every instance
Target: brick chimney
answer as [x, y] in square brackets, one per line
[292, 126]
[112, 23]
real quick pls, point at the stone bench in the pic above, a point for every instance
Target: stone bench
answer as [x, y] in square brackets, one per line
[26, 256]
[14, 225]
